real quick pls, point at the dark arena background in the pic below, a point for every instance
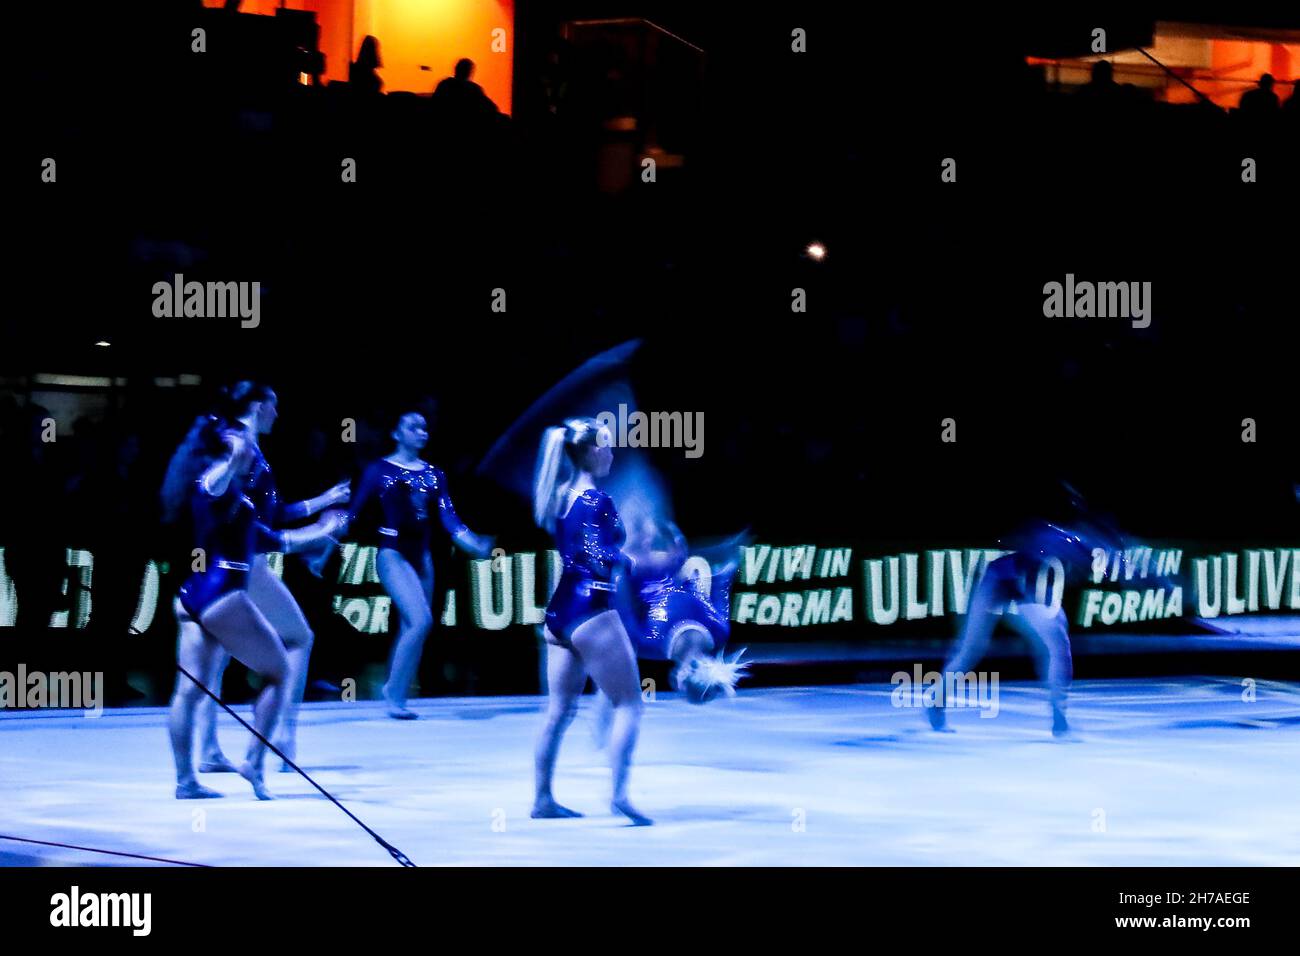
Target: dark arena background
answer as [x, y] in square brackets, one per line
[861, 293]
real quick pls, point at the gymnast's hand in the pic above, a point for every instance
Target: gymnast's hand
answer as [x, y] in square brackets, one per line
[333, 523]
[241, 452]
[478, 545]
[339, 494]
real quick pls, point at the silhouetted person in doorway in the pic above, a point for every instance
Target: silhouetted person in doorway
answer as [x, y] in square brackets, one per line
[459, 99]
[362, 77]
[1101, 88]
[1261, 101]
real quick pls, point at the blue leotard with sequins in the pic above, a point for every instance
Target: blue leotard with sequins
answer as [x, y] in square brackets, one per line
[656, 608]
[589, 538]
[393, 506]
[228, 535]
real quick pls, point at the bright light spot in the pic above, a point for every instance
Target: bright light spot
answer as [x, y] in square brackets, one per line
[816, 251]
[103, 344]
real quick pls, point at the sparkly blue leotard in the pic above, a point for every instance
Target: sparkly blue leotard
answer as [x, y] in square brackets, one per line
[656, 608]
[1012, 576]
[589, 538]
[230, 535]
[393, 504]
[262, 490]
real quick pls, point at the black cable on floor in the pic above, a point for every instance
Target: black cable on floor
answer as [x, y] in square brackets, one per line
[393, 851]
[91, 849]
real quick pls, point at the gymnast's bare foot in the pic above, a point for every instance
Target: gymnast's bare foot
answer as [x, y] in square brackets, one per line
[193, 790]
[254, 777]
[216, 763]
[624, 807]
[545, 808]
[397, 709]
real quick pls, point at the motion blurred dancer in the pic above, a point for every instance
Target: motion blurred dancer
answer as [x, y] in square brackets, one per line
[673, 619]
[1013, 577]
[669, 617]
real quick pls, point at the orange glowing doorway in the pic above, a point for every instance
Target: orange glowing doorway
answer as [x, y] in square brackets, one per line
[418, 34]
[419, 40]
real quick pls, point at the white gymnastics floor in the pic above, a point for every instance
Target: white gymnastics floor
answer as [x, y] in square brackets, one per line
[1173, 772]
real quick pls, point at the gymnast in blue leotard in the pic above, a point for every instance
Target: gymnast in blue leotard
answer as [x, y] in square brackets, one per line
[584, 632]
[589, 537]
[254, 408]
[1012, 577]
[229, 535]
[208, 477]
[676, 617]
[393, 510]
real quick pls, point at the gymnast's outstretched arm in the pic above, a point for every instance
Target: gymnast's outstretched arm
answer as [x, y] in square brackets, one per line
[299, 510]
[476, 544]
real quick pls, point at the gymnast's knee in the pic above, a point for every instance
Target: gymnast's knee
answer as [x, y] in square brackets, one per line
[187, 692]
[299, 637]
[562, 711]
[420, 625]
[629, 702]
[276, 670]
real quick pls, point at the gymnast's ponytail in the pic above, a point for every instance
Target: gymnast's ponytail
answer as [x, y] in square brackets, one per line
[557, 466]
[546, 494]
[201, 445]
[204, 444]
